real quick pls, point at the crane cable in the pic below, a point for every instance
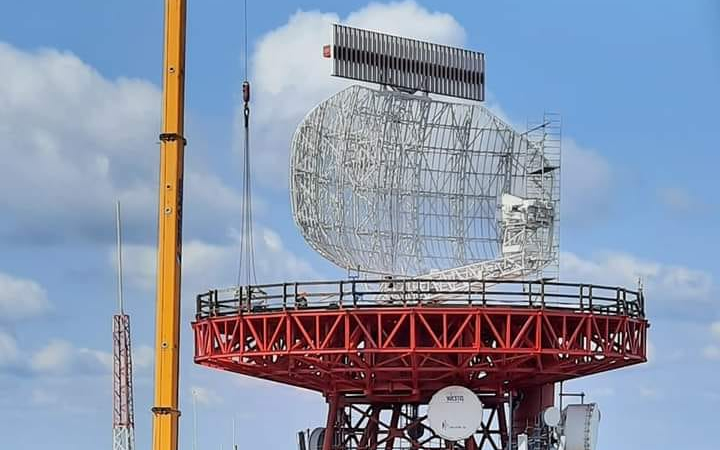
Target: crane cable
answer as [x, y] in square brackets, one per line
[246, 268]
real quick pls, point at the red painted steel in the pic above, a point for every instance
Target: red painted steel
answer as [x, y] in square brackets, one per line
[404, 354]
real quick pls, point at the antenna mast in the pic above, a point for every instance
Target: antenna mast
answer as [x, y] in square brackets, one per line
[123, 414]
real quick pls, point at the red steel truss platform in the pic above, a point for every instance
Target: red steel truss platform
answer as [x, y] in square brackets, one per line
[390, 341]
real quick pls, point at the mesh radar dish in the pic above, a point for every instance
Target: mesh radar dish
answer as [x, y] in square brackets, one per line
[396, 184]
[390, 183]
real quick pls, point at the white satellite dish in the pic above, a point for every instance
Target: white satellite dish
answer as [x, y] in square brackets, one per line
[455, 413]
[317, 436]
[581, 426]
[551, 416]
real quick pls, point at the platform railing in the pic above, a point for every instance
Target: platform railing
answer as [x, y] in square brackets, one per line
[596, 299]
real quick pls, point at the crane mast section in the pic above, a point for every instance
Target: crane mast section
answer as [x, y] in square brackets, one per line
[172, 145]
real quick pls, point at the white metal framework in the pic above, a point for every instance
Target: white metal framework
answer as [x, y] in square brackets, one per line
[404, 185]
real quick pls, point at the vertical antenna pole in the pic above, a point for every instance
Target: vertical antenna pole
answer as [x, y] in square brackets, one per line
[123, 404]
[119, 258]
[234, 443]
[510, 419]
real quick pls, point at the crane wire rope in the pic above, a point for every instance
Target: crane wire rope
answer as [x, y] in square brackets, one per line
[247, 273]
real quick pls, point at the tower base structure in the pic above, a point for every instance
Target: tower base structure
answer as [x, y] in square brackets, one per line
[390, 426]
[358, 425]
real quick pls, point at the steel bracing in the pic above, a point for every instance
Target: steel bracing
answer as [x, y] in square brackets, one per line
[123, 414]
[404, 185]
[406, 352]
[358, 426]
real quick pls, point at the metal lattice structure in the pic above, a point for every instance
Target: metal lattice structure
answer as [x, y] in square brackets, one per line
[374, 361]
[404, 185]
[333, 337]
[123, 414]
[404, 426]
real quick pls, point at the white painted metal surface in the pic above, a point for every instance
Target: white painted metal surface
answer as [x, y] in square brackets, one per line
[407, 64]
[522, 442]
[403, 185]
[454, 413]
[316, 438]
[580, 427]
[551, 416]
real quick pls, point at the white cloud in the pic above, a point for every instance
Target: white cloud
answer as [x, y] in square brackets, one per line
[650, 393]
[271, 240]
[60, 357]
[664, 283]
[42, 397]
[290, 75]
[9, 353]
[586, 183]
[21, 298]
[207, 265]
[715, 329]
[601, 392]
[678, 200]
[651, 351]
[711, 352]
[139, 264]
[143, 357]
[55, 357]
[205, 396]
[73, 141]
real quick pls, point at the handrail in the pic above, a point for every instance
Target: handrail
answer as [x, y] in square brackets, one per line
[596, 299]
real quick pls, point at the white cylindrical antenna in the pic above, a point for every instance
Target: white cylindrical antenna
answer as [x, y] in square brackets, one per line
[119, 257]
[234, 443]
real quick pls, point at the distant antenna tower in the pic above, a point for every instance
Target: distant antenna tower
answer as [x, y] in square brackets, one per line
[123, 415]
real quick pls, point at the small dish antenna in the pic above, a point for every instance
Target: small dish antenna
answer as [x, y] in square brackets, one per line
[455, 413]
[551, 417]
[317, 436]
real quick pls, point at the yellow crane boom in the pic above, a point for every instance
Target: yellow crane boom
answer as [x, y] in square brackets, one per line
[172, 146]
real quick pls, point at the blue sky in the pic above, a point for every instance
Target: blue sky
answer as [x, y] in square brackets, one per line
[636, 84]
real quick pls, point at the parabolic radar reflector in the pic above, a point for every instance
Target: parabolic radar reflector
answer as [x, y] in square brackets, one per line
[393, 183]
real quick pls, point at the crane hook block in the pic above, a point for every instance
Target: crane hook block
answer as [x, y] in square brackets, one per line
[246, 92]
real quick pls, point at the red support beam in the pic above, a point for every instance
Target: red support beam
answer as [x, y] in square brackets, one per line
[396, 352]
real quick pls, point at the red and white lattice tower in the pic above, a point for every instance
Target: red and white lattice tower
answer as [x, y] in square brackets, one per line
[123, 415]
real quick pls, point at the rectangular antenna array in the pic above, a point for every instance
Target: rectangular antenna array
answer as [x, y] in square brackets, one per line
[407, 64]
